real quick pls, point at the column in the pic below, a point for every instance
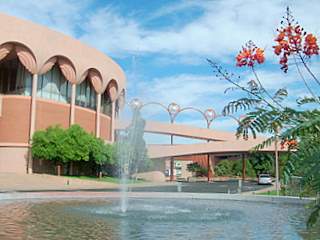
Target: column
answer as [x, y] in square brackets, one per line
[171, 162]
[243, 167]
[212, 164]
[276, 152]
[32, 119]
[72, 103]
[98, 115]
[208, 167]
[113, 113]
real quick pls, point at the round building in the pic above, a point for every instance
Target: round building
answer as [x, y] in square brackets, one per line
[48, 78]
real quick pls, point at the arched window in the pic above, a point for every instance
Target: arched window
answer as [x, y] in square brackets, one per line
[14, 78]
[106, 104]
[86, 95]
[53, 85]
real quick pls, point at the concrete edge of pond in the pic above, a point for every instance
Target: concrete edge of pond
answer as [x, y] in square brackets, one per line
[79, 195]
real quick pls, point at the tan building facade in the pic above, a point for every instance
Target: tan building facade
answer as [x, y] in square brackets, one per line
[47, 78]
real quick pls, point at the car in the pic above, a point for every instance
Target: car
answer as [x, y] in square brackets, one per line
[264, 179]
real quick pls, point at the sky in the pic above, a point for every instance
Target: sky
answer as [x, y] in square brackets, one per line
[162, 45]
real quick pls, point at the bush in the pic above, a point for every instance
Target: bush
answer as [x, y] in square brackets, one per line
[70, 145]
[233, 168]
[197, 169]
[262, 162]
[224, 168]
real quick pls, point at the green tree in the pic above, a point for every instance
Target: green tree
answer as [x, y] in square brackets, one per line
[50, 145]
[102, 154]
[261, 162]
[67, 146]
[224, 168]
[234, 168]
[237, 168]
[78, 144]
[197, 169]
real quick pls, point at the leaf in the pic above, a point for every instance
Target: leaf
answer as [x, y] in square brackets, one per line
[281, 94]
[240, 104]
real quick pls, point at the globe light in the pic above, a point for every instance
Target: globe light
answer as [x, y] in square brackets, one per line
[210, 114]
[136, 103]
[173, 108]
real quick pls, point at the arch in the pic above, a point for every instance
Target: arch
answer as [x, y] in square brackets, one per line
[24, 54]
[122, 99]
[65, 64]
[86, 92]
[112, 89]
[108, 97]
[95, 78]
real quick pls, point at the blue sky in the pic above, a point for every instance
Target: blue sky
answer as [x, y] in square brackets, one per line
[162, 45]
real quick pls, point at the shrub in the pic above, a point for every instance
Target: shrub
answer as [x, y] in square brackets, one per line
[197, 169]
[70, 145]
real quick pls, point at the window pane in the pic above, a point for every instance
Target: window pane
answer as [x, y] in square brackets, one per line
[86, 95]
[52, 85]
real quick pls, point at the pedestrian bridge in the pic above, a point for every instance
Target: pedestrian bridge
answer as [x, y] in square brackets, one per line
[218, 142]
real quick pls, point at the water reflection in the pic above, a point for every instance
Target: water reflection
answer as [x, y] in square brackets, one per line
[152, 219]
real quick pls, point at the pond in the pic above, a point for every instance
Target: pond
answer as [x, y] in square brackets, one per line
[152, 219]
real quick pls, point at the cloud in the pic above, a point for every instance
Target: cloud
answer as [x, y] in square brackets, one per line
[218, 31]
[61, 15]
[184, 89]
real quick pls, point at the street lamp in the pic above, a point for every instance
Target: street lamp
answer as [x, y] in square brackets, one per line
[173, 110]
[209, 115]
[136, 104]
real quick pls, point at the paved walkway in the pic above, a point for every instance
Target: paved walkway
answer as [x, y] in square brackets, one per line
[10, 182]
[95, 195]
[39, 182]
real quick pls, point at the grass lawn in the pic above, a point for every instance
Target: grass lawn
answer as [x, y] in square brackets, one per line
[271, 193]
[106, 179]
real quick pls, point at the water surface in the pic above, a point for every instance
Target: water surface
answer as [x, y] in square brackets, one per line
[152, 219]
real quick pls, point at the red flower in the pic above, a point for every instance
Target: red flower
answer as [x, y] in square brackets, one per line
[292, 40]
[249, 55]
[291, 144]
[310, 45]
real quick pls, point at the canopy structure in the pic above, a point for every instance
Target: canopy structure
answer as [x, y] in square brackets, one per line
[218, 142]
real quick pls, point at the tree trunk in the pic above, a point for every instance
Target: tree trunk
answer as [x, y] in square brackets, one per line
[71, 168]
[59, 170]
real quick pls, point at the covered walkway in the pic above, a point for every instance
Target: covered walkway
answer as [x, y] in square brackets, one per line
[217, 145]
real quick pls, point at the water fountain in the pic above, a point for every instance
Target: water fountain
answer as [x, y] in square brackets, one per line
[131, 154]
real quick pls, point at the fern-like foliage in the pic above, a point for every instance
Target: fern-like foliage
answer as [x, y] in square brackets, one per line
[307, 100]
[243, 104]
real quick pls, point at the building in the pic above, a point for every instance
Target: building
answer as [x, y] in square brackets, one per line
[48, 78]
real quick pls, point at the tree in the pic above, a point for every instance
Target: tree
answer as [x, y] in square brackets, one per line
[261, 162]
[267, 112]
[66, 146]
[78, 144]
[50, 145]
[197, 169]
[224, 168]
[234, 168]
[102, 154]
